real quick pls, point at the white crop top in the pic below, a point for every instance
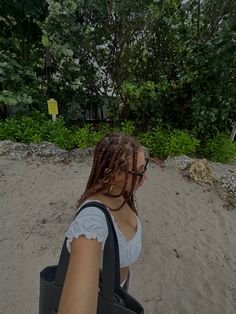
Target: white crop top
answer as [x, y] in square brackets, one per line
[91, 223]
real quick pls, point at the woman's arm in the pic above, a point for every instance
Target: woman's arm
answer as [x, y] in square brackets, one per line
[80, 292]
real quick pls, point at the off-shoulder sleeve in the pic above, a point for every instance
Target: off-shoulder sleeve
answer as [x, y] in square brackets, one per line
[91, 223]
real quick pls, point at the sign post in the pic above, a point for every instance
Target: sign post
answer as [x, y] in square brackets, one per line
[53, 108]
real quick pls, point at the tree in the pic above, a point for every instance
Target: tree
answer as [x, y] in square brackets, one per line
[21, 55]
[168, 60]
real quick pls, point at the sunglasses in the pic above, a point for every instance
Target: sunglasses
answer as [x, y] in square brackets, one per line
[140, 174]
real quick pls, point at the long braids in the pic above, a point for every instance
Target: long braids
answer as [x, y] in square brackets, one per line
[110, 155]
[130, 197]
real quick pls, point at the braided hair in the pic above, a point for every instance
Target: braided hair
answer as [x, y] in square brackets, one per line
[110, 156]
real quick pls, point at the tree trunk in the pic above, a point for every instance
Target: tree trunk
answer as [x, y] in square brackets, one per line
[232, 135]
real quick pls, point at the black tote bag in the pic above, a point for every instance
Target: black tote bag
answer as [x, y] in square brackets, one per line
[112, 299]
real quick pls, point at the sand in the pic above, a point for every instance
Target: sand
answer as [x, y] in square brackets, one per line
[188, 262]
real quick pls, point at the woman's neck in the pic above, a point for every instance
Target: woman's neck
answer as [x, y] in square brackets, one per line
[110, 200]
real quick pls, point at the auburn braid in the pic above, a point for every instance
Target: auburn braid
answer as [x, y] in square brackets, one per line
[98, 162]
[115, 160]
[97, 159]
[130, 196]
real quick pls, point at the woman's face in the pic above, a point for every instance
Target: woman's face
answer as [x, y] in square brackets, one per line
[139, 176]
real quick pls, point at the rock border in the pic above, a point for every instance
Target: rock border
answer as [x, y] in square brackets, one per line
[44, 151]
[201, 172]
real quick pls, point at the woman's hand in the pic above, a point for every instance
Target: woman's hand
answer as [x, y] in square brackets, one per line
[80, 292]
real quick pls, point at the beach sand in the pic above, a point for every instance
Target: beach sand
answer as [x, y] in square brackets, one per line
[188, 262]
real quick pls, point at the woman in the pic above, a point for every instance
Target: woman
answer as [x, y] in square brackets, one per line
[118, 171]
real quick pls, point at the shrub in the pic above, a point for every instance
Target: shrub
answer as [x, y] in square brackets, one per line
[106, 128]
[38, 127]
[56, 132]
[86, 137]
[181, 143]
[220, 149]
[20, 130]
[155, 140]
[127, 127]
[162, 143]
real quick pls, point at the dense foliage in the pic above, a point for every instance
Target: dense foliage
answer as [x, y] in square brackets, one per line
[38, 127]
[168, 62]
[21, 53]
[220, 149]
[148, 60]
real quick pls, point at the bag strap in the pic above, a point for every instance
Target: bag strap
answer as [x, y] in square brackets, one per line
[111, 260]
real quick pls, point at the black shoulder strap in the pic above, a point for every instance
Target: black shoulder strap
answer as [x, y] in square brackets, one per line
[111, 260]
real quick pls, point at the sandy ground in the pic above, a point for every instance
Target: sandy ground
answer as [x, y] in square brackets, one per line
[188, 263]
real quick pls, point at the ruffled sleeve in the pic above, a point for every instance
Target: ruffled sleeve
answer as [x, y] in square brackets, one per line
[91, 223]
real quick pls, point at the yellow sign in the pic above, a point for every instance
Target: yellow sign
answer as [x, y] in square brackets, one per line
[52, 106]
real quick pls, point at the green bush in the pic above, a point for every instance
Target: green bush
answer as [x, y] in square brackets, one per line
[220, 149]
[181, 143]
[56, 132]
[162, 143]
[127, 127]
[86, 137]
[155, 140]
[38, 127]
[105, 128]
[20, 129]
